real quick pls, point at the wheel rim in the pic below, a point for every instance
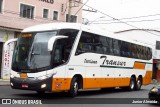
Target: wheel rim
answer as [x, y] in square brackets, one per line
[132, 84]
[75, 87]
[138, 84]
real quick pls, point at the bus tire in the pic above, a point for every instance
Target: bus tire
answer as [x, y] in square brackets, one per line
[74, 87]
[139, 83]
[132, 84]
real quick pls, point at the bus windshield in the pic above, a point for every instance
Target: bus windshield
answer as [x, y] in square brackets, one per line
[31, 51]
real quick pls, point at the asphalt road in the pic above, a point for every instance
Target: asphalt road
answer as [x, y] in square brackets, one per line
[94, 97]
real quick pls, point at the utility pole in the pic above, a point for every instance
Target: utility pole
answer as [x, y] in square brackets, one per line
[69, 11]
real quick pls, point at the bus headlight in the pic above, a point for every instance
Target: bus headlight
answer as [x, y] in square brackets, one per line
[43, 85]
[12, 76]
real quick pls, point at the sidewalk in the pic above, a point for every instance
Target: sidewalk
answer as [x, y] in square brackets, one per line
[156, 82]
[4, 82]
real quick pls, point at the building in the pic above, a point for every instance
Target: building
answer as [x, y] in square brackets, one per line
[16, 15]
[149, 37]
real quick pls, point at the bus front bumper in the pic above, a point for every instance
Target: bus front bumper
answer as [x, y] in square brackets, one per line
[31, 84]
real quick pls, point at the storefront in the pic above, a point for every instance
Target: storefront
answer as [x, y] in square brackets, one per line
[6, 56]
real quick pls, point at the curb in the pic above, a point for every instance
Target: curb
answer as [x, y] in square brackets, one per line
[4, 82]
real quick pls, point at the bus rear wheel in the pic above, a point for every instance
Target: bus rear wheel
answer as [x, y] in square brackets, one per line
[139, 83]
[132, 84]
[74, 87]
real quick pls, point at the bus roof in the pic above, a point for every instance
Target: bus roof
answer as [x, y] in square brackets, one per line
[52, 26]
[78, 26]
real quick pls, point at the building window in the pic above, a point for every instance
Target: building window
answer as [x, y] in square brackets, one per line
[1, 6]
[72, 18]
[26, 11]
[55, 15]
[45, 13]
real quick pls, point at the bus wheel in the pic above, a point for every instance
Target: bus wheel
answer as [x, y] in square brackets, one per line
[132, 84]
[139, 83]
[74, 88]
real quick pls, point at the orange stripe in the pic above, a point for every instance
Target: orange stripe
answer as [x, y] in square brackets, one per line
[63, 84]
[105, 82]
[138, 65]
[147, 78]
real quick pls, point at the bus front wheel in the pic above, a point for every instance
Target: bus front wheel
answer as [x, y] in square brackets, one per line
[74, 87]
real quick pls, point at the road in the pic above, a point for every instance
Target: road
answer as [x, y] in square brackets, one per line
[97, 94]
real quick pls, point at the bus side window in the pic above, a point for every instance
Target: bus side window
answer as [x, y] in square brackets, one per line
[67, 43]
[85, 43]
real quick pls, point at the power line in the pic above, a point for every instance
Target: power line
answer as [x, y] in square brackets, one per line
[136, 17]
[96, 22]
[81, 6]
[86, 14]
[117, 19]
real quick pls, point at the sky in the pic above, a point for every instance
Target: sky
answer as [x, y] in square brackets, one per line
[131, 14]
[118, 9]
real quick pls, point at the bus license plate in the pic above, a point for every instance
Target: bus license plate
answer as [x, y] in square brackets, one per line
[24, 85]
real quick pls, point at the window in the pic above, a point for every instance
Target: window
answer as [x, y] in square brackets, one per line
[45, 13]
[104, 45]
[63, 47]
[85, 43]
[72, 18]
[116, 49]
[89, 43]
[158, 45]
[55, 15]
[1, 6]
[26, 11]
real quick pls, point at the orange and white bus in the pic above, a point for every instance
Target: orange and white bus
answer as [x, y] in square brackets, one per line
[68, 57]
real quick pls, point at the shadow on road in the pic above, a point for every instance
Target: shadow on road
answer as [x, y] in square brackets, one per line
[64, 95]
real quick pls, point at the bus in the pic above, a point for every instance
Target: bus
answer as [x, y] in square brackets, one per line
[59, 57]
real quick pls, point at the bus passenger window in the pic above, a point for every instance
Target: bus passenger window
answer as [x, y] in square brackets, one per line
[85, 43]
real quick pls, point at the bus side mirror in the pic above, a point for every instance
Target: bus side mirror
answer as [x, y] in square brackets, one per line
[9, 41]
[53, 39]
